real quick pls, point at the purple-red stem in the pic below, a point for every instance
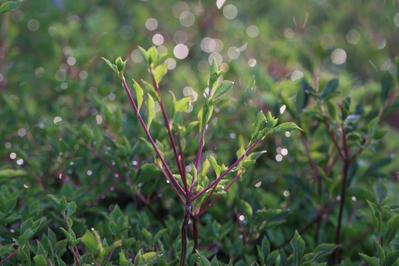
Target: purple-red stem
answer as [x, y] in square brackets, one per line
[184, 227]
[217, 180]
[154, 145]
[181, 169]
[345, 171]
[202, 211]
[200, 148]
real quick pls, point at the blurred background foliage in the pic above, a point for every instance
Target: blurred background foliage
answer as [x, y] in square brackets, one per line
[67, 124]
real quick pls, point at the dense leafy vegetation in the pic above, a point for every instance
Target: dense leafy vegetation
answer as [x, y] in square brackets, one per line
[161, 161]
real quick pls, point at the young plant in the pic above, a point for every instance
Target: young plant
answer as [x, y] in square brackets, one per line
[196, 192]
[348, 133]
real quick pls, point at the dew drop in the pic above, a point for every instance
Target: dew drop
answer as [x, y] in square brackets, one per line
[99, 119]
[282, 109]
[57, 119]
[252, 62]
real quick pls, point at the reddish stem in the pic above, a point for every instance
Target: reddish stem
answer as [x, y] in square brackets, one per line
[200, 148]
[345, 171]
[181, 169]
[217, 180]
[173, 180]
[202, 211]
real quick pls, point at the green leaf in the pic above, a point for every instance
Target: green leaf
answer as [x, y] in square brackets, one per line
[120, 64]
[92, 242]
[272, 217]
[150, 89]
[322, 251]
[71, 208]
[8, 6]
[264, 250]
[11, 173]
[144, 54]
[246, 209]
[302, 96]
[148, 258]
[159, 72]
[151, 110]
[40, 260]
[329, 90]
[111, 65]
[216, 167]
[381, 191]
[298, 248]
[152, 53]
[223, 88]
[387, 84]
[287, 126]
[139, 93]
[392, 227]
[182, 105]
[271, 121]
[123, 261]
[200, 260]
[372, 261]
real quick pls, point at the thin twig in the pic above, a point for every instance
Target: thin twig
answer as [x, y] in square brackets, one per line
[217, 180]
[9, 257]
[181, 169]
[154, 145]
[345, 171]
[217, 198]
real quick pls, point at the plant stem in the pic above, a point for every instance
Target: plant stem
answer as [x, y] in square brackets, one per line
[178, 158]
[345, 171]
[169, 173]
[200, 148]
[195, 220]
[341, 209]
[211, 203]
[186, 219]
[217, 180]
